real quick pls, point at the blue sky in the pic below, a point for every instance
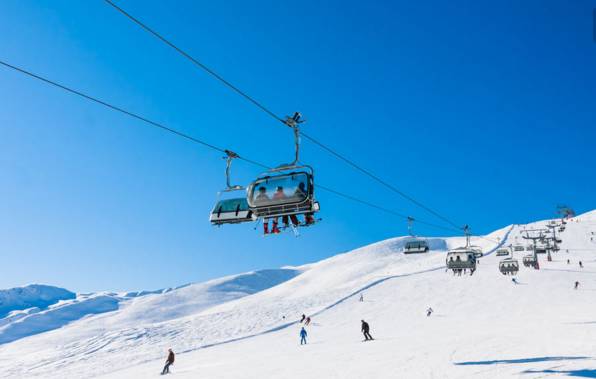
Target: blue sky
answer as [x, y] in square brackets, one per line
[483, 112]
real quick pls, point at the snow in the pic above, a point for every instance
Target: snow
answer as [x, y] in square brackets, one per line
[245, 326]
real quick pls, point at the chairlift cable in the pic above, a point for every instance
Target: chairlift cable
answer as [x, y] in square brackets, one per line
[194, 139]
[273, 115]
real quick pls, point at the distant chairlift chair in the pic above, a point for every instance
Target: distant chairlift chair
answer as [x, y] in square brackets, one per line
[509, 266]
[416, 246]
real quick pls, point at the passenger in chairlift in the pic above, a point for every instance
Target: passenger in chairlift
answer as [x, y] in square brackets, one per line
[301, 194]
[280, 195]
[263, 198]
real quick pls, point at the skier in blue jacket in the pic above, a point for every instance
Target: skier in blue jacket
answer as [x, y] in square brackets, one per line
[303, 336]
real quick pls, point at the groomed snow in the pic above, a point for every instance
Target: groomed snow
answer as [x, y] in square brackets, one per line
[484, 326]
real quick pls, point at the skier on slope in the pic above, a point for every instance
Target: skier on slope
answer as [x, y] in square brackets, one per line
[303, 335]
[366, 331]
[361, 297]
[514, 280]
[429, 311]
[303, 317]
[581, 265]
[307, 322]
[576, 285]
[169, 362]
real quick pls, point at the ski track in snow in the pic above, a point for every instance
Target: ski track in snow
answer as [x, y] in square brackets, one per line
[246, 336]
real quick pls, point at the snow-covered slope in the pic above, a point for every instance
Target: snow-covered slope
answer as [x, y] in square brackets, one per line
[484, 325]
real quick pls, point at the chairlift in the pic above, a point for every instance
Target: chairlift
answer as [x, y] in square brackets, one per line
[518, 248]
[416, 245]
[530, 261]
[530, 248]
[287, 190]
[509, 266]
[233, 209]
[461, 258]
[502, 252]
[540, 249]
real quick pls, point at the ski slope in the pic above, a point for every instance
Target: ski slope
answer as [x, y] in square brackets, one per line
[245, 326]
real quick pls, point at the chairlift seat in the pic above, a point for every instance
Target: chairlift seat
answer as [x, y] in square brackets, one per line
[502, 252]
[231, 211]
[509, 266]
[461, 258]
[416, 246]
[281, 195]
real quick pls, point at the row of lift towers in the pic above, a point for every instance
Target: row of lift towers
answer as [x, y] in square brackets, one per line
[543, 241]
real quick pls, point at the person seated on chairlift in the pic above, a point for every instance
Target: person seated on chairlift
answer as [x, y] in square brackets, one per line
[280, 195]
[300, 193]
[263, 198]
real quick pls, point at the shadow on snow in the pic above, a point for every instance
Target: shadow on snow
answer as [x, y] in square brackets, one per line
[521, 360]
[585, 373]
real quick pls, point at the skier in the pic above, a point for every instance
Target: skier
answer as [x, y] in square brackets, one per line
[576, 285]
[514, 280]
[361, 298]
[169, 362]
[567, 261]
[303, 335]
[303, 317]
[366, 330]
[307, 321]
[581, 265]
[429, 311]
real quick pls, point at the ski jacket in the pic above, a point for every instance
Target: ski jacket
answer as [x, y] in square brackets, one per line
[365, 327]
[171, 357]
[303, 333]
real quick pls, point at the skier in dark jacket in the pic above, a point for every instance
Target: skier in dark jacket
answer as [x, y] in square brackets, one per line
[576, 285]
[303, 317]
[169, 362]
[366, 330]
[303, 335]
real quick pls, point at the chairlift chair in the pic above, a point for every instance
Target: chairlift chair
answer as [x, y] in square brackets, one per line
[286, 190]
[233, 208]
[518, 248]
[540, 249]
[530, 261]
[416, 246]
[461, 258]
[276, 194]
[509, 266]
[502, 252]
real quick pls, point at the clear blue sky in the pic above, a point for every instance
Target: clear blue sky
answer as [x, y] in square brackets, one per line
[485, 112]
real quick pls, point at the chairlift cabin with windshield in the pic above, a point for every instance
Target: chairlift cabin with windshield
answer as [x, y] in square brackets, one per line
[277, 194]
[509, 266]
[530, 261]
[540, 249]
[287, 190]
[416, 246]
[231, 206]
[502, 252]
[461, 258]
